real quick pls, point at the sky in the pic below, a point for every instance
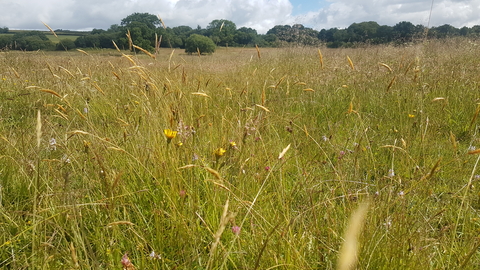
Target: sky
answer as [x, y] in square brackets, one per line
[261, 15]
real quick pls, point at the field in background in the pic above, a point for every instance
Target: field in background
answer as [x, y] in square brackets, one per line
[243, 159]
[73, 35]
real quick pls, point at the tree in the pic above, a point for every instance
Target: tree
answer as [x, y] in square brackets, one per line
[149, 20]
[222, 32]
[3, 29]
[200, 43]
[31, 41]
[5, 42]
[404, 31]
[182, 32]
[362, 32]
[65, 44]
[245, 36]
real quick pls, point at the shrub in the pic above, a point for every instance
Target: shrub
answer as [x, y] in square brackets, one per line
[202, 43]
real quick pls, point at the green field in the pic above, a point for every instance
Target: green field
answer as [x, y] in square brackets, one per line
[73, 35]
[243, 159]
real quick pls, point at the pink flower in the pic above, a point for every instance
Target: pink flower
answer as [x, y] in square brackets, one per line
[236, 230]
[127, 264]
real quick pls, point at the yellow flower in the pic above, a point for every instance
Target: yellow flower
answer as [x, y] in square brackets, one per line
[411, 115]
[170, 134]
[220, 152]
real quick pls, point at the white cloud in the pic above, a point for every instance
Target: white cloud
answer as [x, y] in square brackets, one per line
[87, 14]
[258, 14]
[342, 13]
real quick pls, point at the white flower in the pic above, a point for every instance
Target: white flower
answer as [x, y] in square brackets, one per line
[53, 144]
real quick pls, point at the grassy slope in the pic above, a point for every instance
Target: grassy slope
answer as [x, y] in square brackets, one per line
[112, 183]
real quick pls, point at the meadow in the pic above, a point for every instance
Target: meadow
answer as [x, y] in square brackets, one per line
[244, 159]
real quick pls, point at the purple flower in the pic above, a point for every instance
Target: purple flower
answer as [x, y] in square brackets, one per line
[236, 230]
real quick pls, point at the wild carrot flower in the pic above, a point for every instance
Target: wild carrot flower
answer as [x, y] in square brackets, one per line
[170, 134]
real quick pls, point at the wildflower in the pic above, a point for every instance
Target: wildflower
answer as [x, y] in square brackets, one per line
[179, 144]
[233, 145]
[182, 193]
[220, 152]
[236, 230]
[267, 168]
[170, 134]
[411, 115]
[53, 144]
[391, 173]
[127, 264]
[341, 154]
[154, 255]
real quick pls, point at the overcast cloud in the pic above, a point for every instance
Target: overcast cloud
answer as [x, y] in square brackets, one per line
[258, 14]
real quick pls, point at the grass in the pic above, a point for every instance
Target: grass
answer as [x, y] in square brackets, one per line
[306, 144]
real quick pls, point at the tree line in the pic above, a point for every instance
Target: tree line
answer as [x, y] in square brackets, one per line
[148, 31]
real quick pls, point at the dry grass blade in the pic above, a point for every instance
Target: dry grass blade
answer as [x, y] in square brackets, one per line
[224, 219]
[144, 51]
[350, 63]
[453, 140]
[188, 166]
[73, 254]
[348, 254]
[98, 88]
[262, 107]
[39, 129]
[308, 90]
[82, 51]
[474, 152]
[213, 172]
[115, 44]
[51, 30]
[161, 21]
[51, 92]
[258, 52]
[64, 116]
[477, 111]
[391, 83]
[122, 222]
[15, 72]
[129, 58]
[284, 151]
[386, 66]
[130, 42]
[320, 56]
[67, 71]
[200, 94]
